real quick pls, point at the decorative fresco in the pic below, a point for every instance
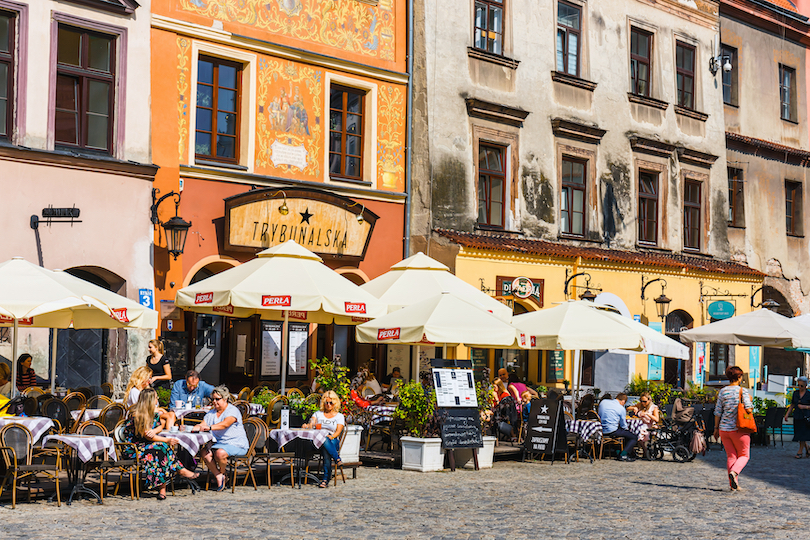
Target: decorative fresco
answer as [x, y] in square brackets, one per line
[290, 108]
[390, 138]
[349, 25]
[183, 85]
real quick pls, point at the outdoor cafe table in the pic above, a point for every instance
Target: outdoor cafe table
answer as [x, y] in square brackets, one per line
[592, 429]
[191, 441]
[89, 414]
[381, 413]
[304, 443]
[180, 413]
[84, 446]
[37, 425]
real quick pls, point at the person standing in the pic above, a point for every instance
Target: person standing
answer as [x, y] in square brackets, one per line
[800, 405]
[159, 364]
[736, 443]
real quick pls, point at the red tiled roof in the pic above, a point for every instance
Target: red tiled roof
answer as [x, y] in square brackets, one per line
[503, 242]
[768, 145]
[784, 4]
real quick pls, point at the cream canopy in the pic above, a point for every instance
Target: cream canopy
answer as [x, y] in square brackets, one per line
[419, 277]
[762, 327]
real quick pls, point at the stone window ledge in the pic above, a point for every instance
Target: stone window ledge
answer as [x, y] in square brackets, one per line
[697, 115]
[570, 80]
[493, 58]
[648, 101]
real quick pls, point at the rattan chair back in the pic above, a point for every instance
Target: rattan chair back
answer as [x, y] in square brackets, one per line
[98, 402]
[33, 391]
[111, 415]
[91, 427]
[274, 411]
[86, 391]
[244, 394]
[75, 401]
[18, 438]
[57, 410]
[294, 392]
[107, 388]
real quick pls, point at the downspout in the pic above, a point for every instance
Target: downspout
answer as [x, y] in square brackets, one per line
[409, 137]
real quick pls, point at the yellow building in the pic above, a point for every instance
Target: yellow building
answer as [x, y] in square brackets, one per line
[494, 262]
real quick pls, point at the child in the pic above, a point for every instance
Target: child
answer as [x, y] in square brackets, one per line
[526, 403]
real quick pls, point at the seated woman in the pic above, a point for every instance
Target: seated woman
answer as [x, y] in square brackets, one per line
[26, 377]
[516, 388]
[499, 390]
[647, 412]
[156, 453]
[332, 421]
[586, 405]
[138, 381]
[224, 421]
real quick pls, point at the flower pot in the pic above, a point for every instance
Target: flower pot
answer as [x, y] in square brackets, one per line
[423, 455]
[464, 456]
[350, 453]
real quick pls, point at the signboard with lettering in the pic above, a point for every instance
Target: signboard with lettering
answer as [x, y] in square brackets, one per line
[146, 298]
[329, 225]
[520, 287]
[721, 309]
[271, 349]
[546, 432]
[455, 387]
[461, 428]
[480, 361]
[655, 368]
[556, 366]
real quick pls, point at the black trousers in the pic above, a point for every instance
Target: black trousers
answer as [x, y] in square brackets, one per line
[630, 439]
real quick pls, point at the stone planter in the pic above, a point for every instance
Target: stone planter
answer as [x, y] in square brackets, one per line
[464, 456]
[350, 453]
[423, 455]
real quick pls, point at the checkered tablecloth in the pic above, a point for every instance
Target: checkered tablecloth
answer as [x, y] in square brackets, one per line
[381, 413]
[85, 445]
[257, 409]
[37, 425]
[588, 429]
[283, 436]
[180, 413]
[89, 414]
[190, 441]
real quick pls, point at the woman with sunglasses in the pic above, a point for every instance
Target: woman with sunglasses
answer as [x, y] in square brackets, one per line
[649, 413]
[332, 421]
[224, 421]
[800, 405]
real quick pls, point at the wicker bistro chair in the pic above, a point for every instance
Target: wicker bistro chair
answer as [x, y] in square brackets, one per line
[107, 388]
[129, 467]
[58, 411]
[273, 411]
[33, 391]
[101, 461]
[267, 451]
[75, 401]
[112, 415]
[192, 418]
[295, 391]
[253, 427]
[244, 394]
[98, 402]
[336, 466]
[16, 447]
[86, 392]
[244, 408]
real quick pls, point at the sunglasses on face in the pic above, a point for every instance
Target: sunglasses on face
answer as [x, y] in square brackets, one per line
[216, 399]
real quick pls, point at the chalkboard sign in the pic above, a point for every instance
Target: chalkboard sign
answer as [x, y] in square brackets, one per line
[461, 428]
[546, 433]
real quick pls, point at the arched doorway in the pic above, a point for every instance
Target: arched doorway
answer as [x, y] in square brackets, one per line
[676, 370]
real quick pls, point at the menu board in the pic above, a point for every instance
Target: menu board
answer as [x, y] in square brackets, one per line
[556, 366]
[461, 428]
[480, 360]
[546, 433]
[454, 387]
[271, 349]
[299, 337]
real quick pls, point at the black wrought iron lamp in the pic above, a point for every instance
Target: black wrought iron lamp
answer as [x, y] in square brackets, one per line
[176, 228]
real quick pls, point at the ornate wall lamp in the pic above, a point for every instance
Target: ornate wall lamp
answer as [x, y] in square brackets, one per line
[176, 228]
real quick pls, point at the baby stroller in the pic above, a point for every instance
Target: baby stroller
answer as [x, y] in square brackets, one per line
[682, 435]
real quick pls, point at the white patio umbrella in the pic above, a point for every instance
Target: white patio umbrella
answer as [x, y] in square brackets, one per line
[419, 277]
[283, 282]
[37, 297]
[444, 319]
[654, 342]
[762, 327]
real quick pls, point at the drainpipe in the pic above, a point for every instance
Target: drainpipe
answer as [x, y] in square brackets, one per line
[409, 137]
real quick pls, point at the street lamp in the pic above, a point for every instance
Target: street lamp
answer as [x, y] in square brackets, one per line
[176, 228]
[773, 305]
[587, 295]
[662, 306]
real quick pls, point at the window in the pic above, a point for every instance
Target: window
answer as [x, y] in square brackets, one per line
[793, 208]
[572, 203]
[718, 360]
[489, 25]
[85, 81]
[219, 85]
[568, 32]
[647, 207]
[729, 77]
[640, 54]
[346, 132]
[691, 215]
[787, 93]
[491, 183]
[6, 73]
[685, 69]
[586, 379]
[736, 197]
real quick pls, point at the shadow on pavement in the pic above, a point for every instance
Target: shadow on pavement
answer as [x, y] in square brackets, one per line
[691, 488]
[772, 465]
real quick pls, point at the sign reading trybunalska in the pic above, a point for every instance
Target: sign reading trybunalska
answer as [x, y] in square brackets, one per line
[327, 224]
[520, 287]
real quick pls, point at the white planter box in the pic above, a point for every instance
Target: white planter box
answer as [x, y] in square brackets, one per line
[350, 453]
[423, 455]
[464, 456]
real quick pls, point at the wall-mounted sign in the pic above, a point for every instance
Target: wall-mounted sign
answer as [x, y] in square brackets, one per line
[520, 287]
[146, 298]
[60, 215]
[324, 223]
[720, 309]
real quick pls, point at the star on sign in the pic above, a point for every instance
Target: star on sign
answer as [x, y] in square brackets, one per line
[543, 409]
[305, 215]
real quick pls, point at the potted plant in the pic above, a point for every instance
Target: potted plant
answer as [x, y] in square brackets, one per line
[329, 375]
[301, 410]
[421, 448]
[566, 384]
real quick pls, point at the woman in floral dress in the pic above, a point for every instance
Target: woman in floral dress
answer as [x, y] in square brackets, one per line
[156, 453]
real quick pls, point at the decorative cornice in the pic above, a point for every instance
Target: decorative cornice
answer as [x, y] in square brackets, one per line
[697, 115]
[753, 143]
[222, 37]
[486, 56]
[575, 130]
[73, 160]
[651, 146]
[570, 80]
[121, 7]
[693, 157]
[495, 112]
[705, 13]
[648, 101]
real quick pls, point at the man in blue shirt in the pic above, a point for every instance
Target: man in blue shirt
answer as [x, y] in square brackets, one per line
[614, 424]
[190, 388]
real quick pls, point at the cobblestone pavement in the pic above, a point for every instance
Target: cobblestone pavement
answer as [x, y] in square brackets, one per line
[606, 500]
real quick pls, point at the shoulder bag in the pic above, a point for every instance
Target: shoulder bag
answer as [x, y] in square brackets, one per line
[745, 420]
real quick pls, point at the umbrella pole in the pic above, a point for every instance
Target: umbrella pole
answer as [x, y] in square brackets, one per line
[14, 359]
[285, 357]
[444, 351]
[53, 362]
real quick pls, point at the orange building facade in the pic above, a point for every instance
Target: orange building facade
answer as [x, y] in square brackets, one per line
[275, 120]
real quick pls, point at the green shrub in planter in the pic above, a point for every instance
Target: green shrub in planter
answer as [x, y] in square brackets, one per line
[416, 409]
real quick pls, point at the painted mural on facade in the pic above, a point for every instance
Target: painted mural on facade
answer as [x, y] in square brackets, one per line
[391, 138]
[288, 127]
[349, 25]
[183, 86]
